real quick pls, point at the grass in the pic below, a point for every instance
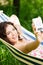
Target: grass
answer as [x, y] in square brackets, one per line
[6, 57]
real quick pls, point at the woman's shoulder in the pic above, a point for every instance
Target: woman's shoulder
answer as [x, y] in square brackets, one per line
[24, 41]
[27, 41]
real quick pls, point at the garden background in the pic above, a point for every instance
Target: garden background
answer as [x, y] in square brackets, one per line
[26, 10]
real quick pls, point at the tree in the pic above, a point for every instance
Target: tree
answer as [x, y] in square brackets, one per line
[16, 3]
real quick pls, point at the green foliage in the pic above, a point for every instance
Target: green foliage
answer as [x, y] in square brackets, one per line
[6, 9]
[30, 9]
[6, 57]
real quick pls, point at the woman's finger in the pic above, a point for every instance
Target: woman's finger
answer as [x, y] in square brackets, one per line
[34, 28]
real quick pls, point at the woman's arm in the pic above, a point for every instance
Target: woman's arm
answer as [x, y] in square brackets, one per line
[39, 37]
[14, 19]
[29, 46]
[32, 46]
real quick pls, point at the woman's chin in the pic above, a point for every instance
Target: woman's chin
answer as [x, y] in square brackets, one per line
[14, 41]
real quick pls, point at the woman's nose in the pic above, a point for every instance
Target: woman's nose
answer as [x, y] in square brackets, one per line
[12, 33]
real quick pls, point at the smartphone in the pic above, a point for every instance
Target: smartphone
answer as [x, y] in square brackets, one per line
[38, 24]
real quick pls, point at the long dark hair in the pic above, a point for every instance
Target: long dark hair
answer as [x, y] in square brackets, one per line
[3, 26]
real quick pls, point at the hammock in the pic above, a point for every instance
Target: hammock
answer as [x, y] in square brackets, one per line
[22, 57]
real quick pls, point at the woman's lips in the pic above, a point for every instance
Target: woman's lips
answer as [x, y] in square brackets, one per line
[14, 37]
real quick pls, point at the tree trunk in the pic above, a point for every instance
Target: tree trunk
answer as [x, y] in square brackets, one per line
[16, 4]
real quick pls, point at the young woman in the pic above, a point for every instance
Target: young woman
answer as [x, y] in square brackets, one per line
[9, 33]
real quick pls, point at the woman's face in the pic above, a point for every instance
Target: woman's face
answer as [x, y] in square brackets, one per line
[11, 33]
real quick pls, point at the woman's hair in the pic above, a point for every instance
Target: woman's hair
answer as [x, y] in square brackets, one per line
[3, 26]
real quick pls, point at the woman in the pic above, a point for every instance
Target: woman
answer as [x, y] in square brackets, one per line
[9, 33]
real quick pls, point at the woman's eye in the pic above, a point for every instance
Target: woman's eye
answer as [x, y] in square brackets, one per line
[13, 29]
[8, 33]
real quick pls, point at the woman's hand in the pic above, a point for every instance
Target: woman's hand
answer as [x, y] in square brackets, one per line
[38, 34]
